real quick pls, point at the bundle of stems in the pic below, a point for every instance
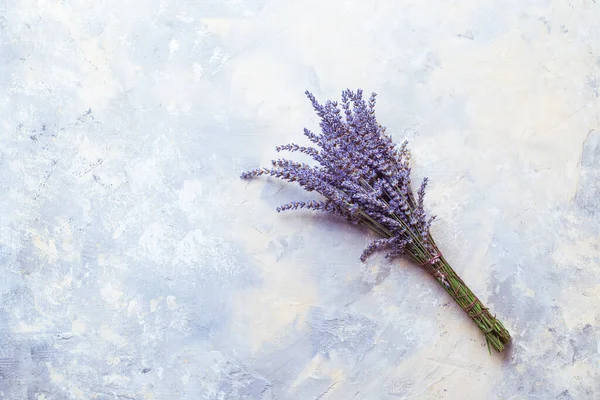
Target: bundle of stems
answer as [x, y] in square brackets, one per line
[364, 177]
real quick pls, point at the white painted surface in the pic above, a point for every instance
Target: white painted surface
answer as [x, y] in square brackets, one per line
[135, 263]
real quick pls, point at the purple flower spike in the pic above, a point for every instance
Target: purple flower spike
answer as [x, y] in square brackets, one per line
[361, 174]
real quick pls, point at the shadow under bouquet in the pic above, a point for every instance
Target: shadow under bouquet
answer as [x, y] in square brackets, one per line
[364, 177]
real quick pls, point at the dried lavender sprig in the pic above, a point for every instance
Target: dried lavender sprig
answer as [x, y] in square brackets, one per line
[365, 178]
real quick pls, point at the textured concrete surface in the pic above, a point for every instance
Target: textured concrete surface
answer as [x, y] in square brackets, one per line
[136, 265]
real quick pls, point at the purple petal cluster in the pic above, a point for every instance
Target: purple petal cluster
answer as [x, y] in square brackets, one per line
[362, 176]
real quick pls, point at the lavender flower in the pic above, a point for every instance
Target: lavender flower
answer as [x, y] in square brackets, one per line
[363, 177]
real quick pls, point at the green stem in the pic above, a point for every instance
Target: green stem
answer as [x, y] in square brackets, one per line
[495, 333]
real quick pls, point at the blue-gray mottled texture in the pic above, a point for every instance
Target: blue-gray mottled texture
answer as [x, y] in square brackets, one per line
[137, 265]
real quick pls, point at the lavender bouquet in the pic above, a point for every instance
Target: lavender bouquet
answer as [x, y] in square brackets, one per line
[363, 177]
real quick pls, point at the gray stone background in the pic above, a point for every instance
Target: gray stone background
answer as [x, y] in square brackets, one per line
[136, 265]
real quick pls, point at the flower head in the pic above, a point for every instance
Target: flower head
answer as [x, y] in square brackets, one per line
[362, 176]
